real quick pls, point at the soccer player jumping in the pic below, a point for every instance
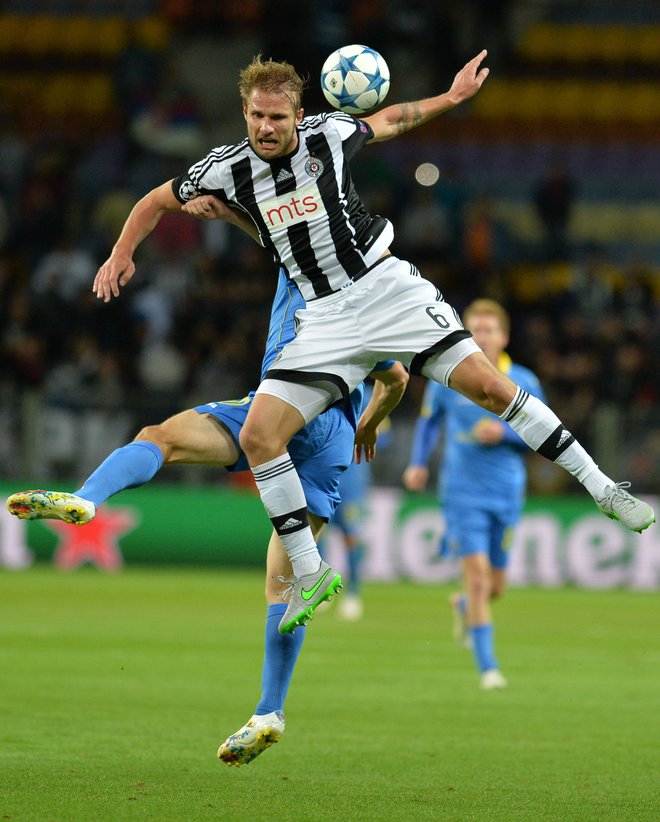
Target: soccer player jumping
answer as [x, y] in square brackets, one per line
[290, 181]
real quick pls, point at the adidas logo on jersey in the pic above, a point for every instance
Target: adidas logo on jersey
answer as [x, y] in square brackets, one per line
[290, 523]
[283, 175]
[564, 436]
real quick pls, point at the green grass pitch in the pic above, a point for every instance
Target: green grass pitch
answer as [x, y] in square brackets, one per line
[115, 692]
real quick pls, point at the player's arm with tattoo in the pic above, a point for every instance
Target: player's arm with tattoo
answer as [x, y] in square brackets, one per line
[394, 120]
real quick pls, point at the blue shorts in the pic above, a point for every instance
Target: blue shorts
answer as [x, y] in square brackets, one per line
[321, 451]
[353, 488]
[475, 531]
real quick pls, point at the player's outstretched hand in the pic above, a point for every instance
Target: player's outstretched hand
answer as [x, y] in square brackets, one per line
[469, 79]
[115, 272]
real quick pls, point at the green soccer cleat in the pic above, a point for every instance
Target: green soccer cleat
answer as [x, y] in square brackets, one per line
[258, 734]
[620, 505]
[306, 593]
[51, 505]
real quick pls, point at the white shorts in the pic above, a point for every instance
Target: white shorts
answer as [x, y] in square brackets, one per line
[391, 313]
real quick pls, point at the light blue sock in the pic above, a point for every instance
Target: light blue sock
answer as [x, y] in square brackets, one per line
[483, 646]
[127, 467]
[280, 655]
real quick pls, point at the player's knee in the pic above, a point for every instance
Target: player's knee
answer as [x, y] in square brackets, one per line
[497, 392]
[478, 582]
[258, 444]
[250, 439]
[157, 434]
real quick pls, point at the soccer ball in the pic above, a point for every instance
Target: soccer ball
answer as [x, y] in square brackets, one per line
[355, 79]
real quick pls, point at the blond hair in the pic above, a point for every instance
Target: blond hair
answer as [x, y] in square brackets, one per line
[490, 308]
[271, 76]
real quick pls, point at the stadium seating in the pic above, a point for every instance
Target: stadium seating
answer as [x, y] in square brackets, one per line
[579, 43]
[67, 60]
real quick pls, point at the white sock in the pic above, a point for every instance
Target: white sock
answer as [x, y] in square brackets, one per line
[284, 501]
[543, 431]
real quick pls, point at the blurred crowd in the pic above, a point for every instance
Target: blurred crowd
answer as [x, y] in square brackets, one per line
[191, 326]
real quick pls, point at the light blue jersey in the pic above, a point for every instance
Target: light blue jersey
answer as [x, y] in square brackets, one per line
[481, 487]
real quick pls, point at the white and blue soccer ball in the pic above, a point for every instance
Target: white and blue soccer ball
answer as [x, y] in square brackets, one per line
[355, 79]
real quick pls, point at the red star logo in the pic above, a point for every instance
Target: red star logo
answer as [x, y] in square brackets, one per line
[97, 542]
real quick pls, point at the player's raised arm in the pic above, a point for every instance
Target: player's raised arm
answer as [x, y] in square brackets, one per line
[394, 120]
[119, 268]
[389, 388]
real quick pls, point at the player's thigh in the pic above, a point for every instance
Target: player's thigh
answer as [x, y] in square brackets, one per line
[271, 421]
[192, 438]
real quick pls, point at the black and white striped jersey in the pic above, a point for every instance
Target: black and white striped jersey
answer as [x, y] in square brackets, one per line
[304, 205]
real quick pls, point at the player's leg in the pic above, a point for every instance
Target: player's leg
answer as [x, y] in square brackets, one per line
[281, 649]
[474, 376]
[187, 437]
[266, 726]
[351, 607]
[470, 532]
[321, 451]
[350, 518]
[497, 583]
[477, 581]
[501, 537]
[271, 423]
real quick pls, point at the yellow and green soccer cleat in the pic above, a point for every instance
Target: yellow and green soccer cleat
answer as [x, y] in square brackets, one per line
[40, 504]
[258, 734]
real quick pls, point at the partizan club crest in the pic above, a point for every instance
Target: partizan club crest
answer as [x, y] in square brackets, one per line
[314, 167]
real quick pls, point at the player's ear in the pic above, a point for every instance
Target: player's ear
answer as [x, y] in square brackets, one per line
[245, 112]
[300, 115]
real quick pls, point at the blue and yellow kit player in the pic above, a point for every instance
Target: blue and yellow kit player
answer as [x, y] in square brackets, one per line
[481, 487]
